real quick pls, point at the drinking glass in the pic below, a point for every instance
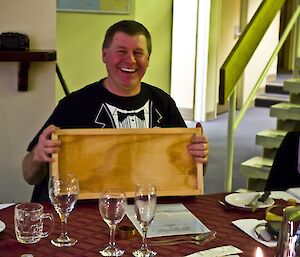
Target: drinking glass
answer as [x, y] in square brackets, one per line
[29, 222]
[112, 204]
[63, 193]
[144, 206]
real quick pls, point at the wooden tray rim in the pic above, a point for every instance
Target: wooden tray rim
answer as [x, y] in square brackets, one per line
[137, 131]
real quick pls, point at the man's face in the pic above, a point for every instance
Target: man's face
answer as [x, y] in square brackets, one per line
[126, 62]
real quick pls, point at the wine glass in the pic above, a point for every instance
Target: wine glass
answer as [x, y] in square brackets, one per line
[144, 206]
[63, 193]
[112, 204]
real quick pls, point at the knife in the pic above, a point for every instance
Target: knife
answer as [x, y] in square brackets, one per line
[260, 199]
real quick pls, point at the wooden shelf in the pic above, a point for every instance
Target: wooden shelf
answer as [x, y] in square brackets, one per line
[24, 58]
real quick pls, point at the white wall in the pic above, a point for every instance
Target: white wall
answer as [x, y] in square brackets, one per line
[23, 113]
[262, 53]
[190, 57]
[184, 55]
[187, 78]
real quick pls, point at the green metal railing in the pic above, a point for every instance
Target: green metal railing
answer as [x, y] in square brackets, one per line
[235, 63]
[229, 76]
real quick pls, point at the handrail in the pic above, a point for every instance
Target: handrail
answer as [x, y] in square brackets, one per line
[243, 50]
[268, 65]
[62, 81]
[232, 123]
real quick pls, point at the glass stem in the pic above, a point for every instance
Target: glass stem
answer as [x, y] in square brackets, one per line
[144, 242]
[112, 231]
[64, 232]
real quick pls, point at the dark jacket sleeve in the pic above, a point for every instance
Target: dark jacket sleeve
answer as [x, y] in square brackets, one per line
[284, 173]
[58, 118]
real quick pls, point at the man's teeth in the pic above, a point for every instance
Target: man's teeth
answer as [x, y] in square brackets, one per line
[128, 70]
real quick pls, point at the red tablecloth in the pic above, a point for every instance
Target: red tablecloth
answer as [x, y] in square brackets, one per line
[86, 225]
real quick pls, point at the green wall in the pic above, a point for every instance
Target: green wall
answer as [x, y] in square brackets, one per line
[79, 39]
[156, 15]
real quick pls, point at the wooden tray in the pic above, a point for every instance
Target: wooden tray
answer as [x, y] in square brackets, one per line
[123, 158]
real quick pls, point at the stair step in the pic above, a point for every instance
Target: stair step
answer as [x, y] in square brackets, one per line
[276, 87]
[292, 85]
[270, 138]
[297, 62]
[283, 97]
[282, 75]
[257, 167]
[285, 111]
[297, 67]
[267, 100]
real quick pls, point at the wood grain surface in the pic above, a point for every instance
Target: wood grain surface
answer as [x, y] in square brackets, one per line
[123, 158]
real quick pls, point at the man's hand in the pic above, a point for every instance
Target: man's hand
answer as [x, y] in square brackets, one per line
[34, 164]
[45, 146]
[199, 147]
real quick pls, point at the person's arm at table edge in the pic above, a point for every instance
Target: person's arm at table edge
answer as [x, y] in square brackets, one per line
[35, 163]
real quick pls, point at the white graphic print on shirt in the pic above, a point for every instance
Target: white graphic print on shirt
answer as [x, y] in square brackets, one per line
[120, 118]
[138, 118]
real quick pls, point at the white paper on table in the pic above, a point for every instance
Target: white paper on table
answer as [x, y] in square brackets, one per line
[169, 220]
[248, 226]
[221, 251]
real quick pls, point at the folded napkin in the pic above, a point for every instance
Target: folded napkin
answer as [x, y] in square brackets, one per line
[221, 251]
[5, 205]
[295, 191]
[248, 226]
[286, 195]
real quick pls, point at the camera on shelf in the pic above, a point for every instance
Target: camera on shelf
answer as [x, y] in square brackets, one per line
[12, 41]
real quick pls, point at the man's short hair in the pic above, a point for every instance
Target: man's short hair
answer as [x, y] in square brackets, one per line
[129, 27]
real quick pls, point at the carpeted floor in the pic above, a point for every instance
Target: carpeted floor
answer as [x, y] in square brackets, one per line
[256, 119]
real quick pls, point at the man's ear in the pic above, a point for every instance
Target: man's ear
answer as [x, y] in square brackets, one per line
[104, 54]
[148, 61]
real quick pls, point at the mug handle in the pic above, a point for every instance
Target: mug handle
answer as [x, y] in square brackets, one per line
[50, 217]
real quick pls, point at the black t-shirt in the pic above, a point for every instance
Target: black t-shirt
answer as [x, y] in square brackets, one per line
[95, 107]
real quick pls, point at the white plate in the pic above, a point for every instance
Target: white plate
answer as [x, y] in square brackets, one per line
[242, 199]
[2, 226]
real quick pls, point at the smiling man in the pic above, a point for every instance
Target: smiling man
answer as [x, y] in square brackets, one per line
[127, 58]
[121, 100]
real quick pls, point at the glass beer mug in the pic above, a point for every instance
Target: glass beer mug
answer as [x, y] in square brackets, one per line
[29, 218]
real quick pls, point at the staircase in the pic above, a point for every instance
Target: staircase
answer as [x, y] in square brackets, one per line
[274, 92]
[287, 113]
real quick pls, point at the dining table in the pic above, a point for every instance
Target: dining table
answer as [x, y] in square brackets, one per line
[86, 225]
